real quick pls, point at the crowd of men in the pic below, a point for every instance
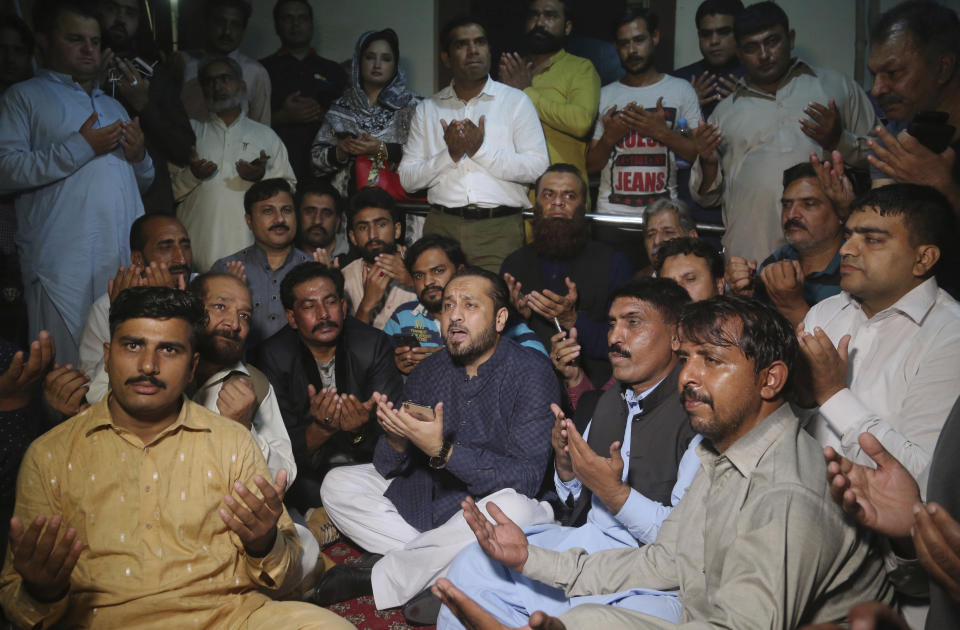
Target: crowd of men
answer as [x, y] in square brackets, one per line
[233, 366]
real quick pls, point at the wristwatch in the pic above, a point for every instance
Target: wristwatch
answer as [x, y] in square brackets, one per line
[440, 460]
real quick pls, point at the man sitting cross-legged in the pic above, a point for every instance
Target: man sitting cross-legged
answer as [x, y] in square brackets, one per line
[625, 468]
[480, 426]
[756, 541]
[147, 510]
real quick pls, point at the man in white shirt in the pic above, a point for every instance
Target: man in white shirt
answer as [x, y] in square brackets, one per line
[477, 146]
[635, 137]
[233, 151]
[225, 23]
[226, 385]
[884, 355]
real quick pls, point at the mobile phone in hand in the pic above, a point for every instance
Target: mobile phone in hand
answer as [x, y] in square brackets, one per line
[406, 340]
[418, 411]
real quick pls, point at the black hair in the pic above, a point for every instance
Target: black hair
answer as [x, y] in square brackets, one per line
[498, 291]
[934, 29]
[159, 303]
[451, 247]
[387, 35]
[198, 286]
[138, 230]
[689, 246]
[280, 3]
[46, 13]
[319, 187]
[372, 197]
[664, 295]
[718, 7]
[16, 23]
[759, 17]
[765, 336]
[265, 189]
[651, 19]
[304, 272]
[801, 170]
[242, 5]
[926, 212]
[446, 33]
[561, 167]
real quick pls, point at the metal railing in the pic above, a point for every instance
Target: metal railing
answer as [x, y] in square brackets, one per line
[630, 223]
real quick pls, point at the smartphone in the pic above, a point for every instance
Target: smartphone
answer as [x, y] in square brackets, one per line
[344, 134]
[406, 340]
[420, 412]
[932, 131]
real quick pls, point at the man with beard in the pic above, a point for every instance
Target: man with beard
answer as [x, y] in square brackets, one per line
[225, 22]
[807, 269]
[477, 182]
[635, 139]
[303, 84]
[415, 326]
[564, 277]
[269, 214]
[224, 384]
[624, 475]
[477, 424]
[232, 153]
[77, 164]
[779, 113]
[160, 255]
[153, 96]
[184, 522]
[564, 88]
[325, 367]
[756, 541]
[321, 232]
[377, 282]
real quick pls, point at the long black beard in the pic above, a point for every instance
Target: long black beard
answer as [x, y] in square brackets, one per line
[543, 45]
[560, 239]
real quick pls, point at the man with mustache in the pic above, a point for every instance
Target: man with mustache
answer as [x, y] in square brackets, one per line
[232, 153]
[153, 96]
[884, 354]
[321, 232]
[621, 479]
[325, 367]
[807, 269]
[756, 541]
[224, 23]
[378, 282]
[564, 275]
[432, 261]
[148, 510]
[635, 137]
[270, 215]
[778, 114]
[564, 88]
[479, 426]
[161, 254]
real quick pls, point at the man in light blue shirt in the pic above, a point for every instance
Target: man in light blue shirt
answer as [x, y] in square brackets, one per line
[621, 479]
[78, 164]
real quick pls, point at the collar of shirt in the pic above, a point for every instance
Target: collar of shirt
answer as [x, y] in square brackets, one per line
[256, 255]
[797, 66]
[556, 58]
[223, 375]
[915, 304]
[421, 311]
[745, 454]
[788, 252]
[633, 398]
[99, 419]
[216, 121]
[67, 80]
[490, 90]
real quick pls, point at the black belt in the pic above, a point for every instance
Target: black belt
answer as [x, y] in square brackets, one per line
[474, 212]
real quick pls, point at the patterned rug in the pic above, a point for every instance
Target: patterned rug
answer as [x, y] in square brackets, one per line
[361, 611]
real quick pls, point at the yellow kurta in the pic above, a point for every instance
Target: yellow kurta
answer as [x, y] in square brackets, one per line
[159, 555]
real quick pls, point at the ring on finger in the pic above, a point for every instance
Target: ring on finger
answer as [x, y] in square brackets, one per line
[134, 83]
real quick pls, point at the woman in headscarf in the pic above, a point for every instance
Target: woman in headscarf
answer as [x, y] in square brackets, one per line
[371, 119]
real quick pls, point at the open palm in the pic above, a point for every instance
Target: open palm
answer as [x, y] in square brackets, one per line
[504, 541]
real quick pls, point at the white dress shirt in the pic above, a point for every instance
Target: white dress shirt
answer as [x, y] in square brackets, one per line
[267, 428]
[211, 209]
[513, 154]
[903, 374]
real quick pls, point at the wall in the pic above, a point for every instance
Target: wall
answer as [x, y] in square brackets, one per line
[826, 32]
[337, 30]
